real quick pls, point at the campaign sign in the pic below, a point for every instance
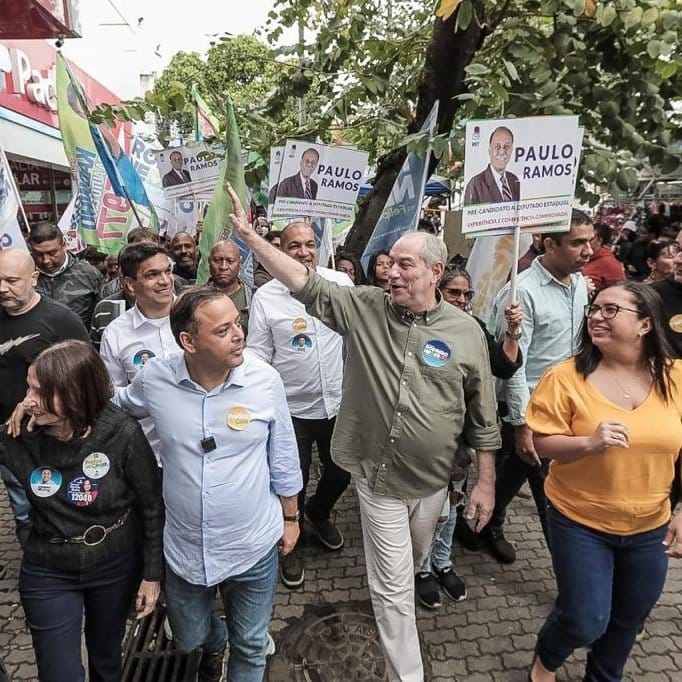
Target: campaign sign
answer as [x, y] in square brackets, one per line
[317, 180]
[190, 170]
[520, 171]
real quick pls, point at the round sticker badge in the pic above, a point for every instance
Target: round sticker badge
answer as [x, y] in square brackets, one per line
[82, 491]
[436, 353]
[675, 323]
[238, 418]
[142, 357]
[45, 481]
[299, 325]
[301, 343]
[96, 465]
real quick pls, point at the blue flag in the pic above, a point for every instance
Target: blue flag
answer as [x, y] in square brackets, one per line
[125, 182]
[403, 207]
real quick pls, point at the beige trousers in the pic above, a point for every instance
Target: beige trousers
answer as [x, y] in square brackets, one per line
[397, 537]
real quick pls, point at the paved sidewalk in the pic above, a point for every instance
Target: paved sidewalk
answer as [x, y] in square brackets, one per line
[489, 636]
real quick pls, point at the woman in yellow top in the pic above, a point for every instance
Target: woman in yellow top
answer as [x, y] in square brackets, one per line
[610, 421]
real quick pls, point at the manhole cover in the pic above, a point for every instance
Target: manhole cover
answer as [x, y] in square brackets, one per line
[330, 643]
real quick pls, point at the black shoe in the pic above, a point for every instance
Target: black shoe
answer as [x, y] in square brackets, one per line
[211, 666]
[326, 533]
[452, 584]
[426, 589]
[291, 569]
[498, 545]
[465, 536]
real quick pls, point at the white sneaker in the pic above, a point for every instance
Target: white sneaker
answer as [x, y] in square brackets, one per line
[270, 651]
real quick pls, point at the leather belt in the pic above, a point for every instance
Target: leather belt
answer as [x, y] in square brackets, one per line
[93, 535]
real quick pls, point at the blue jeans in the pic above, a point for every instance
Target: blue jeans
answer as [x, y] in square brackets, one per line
[19, 503]
[607, 586]
[54, 602]
[440, 554]
[247, 599]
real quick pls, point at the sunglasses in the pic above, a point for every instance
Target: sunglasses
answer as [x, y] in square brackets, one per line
[458, 293]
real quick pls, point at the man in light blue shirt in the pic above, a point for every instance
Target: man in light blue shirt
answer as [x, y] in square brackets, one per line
[231, 477]
[553, 294]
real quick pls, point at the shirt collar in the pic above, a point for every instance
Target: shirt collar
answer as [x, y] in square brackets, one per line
[428, 317]
[138, 318]
[179, 366]
[546, 277]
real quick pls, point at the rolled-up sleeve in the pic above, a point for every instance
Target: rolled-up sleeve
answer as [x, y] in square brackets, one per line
[286, 479]
[481, 430]
[333, 304]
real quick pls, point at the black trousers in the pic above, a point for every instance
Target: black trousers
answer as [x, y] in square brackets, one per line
[511, 473]
[333, 480]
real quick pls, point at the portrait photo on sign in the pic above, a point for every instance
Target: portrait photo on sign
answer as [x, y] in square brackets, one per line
[315, 180]
[521, 171]
[190, 171]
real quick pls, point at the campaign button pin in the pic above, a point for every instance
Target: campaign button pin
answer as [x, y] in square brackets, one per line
[436, 353]
[142, 357]
[675, 323]
[301, 343]
[96, 465]
[45, 481]
[299, 325]
[238, 418]
[82, 491]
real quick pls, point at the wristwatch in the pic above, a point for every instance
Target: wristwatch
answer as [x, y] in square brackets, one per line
[293, 519]
[513, 335]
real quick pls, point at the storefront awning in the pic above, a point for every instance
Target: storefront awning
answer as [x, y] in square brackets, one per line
[30, 144]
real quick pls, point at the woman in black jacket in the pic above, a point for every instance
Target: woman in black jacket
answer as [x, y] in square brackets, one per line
[437, 572]
[96, 514]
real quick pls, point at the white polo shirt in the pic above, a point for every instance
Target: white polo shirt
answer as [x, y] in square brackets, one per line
[127, 344]
[307, 354]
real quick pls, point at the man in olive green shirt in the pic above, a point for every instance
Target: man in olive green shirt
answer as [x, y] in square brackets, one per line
[224, 262]
[417, 377]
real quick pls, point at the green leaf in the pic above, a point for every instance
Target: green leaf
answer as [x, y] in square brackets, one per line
[606, 14]
[649, 17]
[653, 47]
[667, 71]
[477, 69]
[633, 17]
[464, 16]
[511, 70]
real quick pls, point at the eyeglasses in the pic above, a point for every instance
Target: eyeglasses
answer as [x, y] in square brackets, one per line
[608, 310]
[458, 293]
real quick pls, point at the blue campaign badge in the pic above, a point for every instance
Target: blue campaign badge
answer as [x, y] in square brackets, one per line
[45, 481]
[301, 343]
[82, 491]
[142, 357]
[436, 353]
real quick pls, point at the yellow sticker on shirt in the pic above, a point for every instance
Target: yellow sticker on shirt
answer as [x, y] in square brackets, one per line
[675, 323]
[299, 325]
[238, 418]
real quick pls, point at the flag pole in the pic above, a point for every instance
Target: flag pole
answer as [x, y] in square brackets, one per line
[515, 262]
[15, 189]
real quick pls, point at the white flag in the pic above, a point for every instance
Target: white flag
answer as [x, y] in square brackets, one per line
[11, 236]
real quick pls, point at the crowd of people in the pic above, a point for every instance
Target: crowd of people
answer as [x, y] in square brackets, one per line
[160, 434]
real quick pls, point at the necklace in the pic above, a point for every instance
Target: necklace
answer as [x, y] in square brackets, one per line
[626, 393]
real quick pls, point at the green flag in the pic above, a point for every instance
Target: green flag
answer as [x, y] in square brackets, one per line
[217, 224]
[101, 217]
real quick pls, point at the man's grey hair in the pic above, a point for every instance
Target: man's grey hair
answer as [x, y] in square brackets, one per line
[433, 250]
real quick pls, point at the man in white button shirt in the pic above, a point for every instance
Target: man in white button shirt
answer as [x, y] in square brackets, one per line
[309, 357]
[143, 331]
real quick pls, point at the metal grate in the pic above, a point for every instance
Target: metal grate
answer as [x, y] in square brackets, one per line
[149, 656]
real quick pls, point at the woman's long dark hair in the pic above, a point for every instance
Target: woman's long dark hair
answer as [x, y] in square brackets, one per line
[371, 267]
[658, 352]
